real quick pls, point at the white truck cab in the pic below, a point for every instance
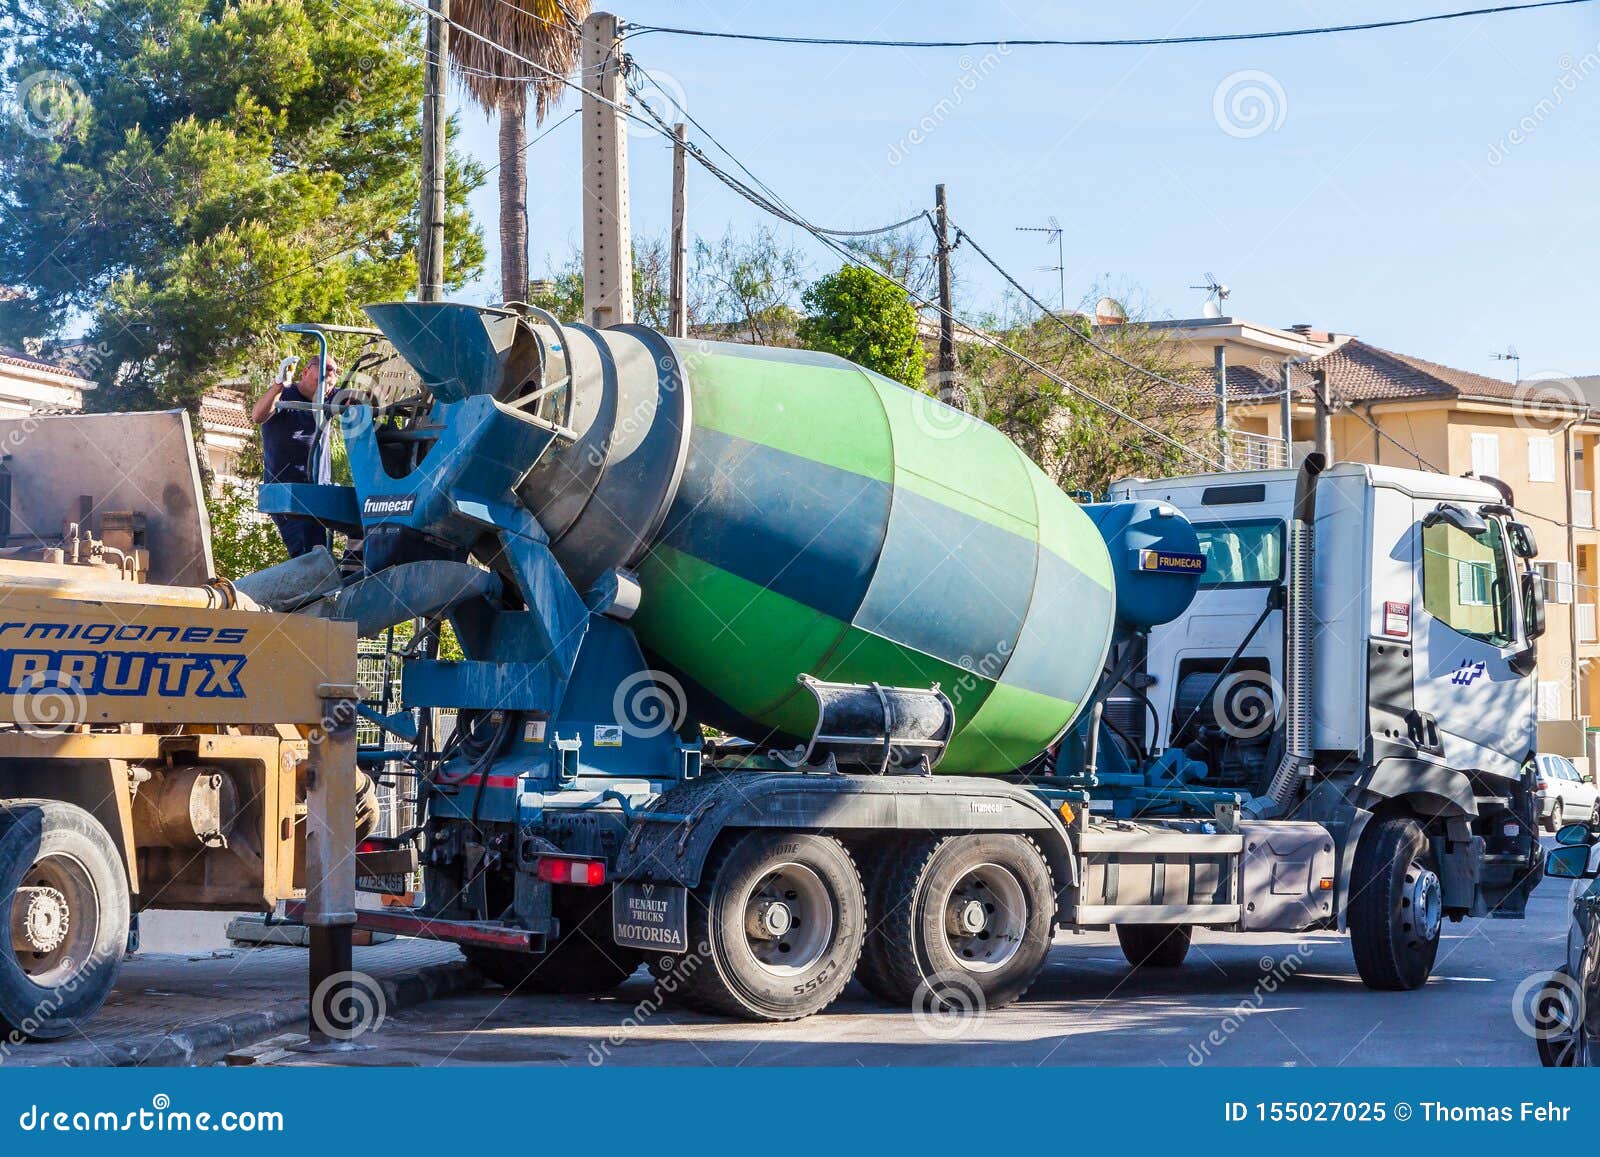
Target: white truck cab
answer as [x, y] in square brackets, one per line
[1416, 677]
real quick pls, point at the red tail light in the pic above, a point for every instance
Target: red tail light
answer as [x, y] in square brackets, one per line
[571, 870]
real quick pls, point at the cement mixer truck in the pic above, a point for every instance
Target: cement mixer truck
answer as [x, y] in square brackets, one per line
[777, 673]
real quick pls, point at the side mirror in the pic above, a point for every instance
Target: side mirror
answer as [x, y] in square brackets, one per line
[1573, 834]
[1523, 544]
[1459, 517]
[1568, 862]
[1533, 604]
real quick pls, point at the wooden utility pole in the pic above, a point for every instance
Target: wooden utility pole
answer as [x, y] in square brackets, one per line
[680, 232]
[607, 236]
[947, 326]
[1324, 403]
[435, 155]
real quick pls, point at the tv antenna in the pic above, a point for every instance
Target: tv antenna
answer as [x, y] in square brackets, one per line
[1511, 355]
[1052, 232]
[1216, 294]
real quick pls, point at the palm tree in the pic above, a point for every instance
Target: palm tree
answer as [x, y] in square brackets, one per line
[546, 31]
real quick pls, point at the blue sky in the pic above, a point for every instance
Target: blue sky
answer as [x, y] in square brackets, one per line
[1432, 189]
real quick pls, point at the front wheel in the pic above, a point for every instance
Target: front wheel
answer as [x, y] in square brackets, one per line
[1154, 945]
[1396, 906]
[1557, 816]
[962, 921]
[65, 889]
[781, 916]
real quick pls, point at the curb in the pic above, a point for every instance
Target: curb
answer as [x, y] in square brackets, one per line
[210, 1041]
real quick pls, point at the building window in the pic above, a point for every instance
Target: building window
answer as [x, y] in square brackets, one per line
[1541, 459]
[1557, 579]
[1486, 454]
[1549, 699]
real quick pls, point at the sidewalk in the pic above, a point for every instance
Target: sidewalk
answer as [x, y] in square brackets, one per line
[192, 1009]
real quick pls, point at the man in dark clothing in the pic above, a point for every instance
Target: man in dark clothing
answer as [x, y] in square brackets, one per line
[287, 437]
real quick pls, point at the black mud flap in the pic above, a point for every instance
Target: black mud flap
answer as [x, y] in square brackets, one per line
[649, 916]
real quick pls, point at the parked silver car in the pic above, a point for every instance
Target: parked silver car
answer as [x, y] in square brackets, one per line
[1564, 793]
[1566, 1011]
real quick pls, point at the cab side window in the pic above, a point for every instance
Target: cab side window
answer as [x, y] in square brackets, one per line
[1466, 582]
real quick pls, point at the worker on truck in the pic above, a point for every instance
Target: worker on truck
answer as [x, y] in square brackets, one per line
[288, 434]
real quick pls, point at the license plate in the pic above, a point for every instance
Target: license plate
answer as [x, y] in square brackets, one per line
[654, 917]
[391, 885]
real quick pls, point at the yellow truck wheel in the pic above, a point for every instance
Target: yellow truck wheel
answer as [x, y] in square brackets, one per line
[65, 890]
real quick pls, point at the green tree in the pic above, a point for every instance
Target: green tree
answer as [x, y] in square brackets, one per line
[242, 541]
[186, 174]
[861, 315]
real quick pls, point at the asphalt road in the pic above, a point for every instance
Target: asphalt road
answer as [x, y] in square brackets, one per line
[1240, 1000]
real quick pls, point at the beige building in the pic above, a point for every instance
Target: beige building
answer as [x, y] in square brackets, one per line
[1540, 437]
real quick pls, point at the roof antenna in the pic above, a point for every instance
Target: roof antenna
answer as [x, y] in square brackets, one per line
[1216, 294]
[1511, 355]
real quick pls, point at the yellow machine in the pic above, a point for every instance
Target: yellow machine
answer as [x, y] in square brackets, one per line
[161, 745]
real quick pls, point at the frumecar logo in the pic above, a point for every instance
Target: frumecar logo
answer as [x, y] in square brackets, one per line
[388, 505]
[1172, 562]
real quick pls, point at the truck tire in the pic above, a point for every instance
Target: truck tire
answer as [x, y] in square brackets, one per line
[65, 890]
[1395, 908]
[780, 917]
[877, 866]
[963, 916]
[1154, 945]
[584, 961]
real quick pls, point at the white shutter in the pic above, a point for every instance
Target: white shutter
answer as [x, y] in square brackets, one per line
[1486, 454]
[1564, 583]
[1549, 699]
[1541, 459]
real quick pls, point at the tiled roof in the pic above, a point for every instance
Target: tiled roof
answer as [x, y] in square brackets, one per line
[13, 357]
[225, 410]
[1358, 372]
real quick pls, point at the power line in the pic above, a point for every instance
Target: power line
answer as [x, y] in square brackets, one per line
[637, 30]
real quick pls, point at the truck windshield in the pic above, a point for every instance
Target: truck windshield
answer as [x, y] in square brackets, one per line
[1466, 581]
[1241, 554]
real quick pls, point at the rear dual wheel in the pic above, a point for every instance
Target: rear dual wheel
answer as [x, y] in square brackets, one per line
[962, 921]
[780, 918]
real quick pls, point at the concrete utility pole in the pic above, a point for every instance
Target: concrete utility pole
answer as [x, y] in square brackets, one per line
[607, 237]
[1324, 414]
[1219, 367]
[680, 232]
[947, 326]
[1287, 415]
[435, 145]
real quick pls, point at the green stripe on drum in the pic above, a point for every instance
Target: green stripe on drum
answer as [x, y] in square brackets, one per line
[1068, 533]
[818, 408]
[697, 617]
[1011, 727]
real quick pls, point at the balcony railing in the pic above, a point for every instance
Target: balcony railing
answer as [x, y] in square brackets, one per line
[1247, 451]
[1583, 507]
[1586, 623]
